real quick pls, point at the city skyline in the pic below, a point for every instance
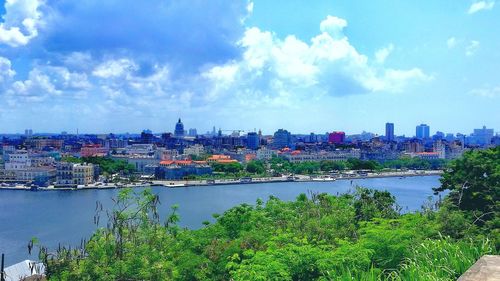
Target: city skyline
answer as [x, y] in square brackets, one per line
[187, 131]
[344, 66]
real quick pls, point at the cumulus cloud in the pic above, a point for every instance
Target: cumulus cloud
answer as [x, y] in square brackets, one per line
[285, 71]
[383, 53]
[47, 81]
[20, 22]
[481, 6]
[6, 72]
[471, 49]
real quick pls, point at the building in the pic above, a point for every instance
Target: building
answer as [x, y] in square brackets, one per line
[138, 161]
[389, 132]
[265, 154]
[179, 129]
[72, 175]
[192, 132]
[282, 138]
[336, 137]
[297, 156]
[17, 160]
[147, 136]
[414, 146]
[439, 147]
[253, 141]
[93, 150]
[422, 131]
[482, 136]
[219, 158]
[196, 150]
[181, 169]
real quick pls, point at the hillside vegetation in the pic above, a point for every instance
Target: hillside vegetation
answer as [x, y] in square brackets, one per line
[357, 236]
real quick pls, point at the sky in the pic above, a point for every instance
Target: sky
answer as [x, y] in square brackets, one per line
[306, 66]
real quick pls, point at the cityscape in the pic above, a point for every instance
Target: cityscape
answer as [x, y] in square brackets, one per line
[249, 140]
[35, 160]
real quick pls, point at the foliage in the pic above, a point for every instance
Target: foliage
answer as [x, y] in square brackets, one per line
[107, 165]
[416, 163]
[230, 168]
[357, 236]
[256, 167]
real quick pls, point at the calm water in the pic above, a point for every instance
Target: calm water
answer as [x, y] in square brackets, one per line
[67, 216]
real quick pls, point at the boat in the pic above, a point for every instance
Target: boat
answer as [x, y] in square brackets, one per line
[323, 178]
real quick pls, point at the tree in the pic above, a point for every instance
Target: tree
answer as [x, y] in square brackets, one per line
[474, 182]
[256, 167]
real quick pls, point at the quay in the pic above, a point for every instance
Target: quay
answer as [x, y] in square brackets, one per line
[348, 175]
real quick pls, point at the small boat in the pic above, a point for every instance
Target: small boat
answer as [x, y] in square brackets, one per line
[324, 178]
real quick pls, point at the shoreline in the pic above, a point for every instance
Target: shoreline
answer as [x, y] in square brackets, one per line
[201, 183]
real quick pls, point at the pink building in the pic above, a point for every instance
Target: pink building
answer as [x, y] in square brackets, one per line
[336, 137]
[90, 150]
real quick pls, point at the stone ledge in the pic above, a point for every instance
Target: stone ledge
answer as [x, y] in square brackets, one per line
[487, 268]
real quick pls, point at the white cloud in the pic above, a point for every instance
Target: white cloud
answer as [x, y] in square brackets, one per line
[284, 72]
[48, 81]
[451, 42]
[20, 22]
[115, 68]
[487, 92]
[383, 53]
[471, 49]
[480, 6]
[333, 26]
[6, 72]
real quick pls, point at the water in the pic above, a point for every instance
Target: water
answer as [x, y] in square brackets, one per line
[67, 216]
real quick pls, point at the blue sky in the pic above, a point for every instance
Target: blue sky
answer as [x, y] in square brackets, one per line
[308, 66]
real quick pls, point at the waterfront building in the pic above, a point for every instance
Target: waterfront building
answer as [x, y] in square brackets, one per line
[179, 129]
[17, 160]
[297, 156]
[282, 138]
[336, 137]
[253, 140]
[422, 131]
[181, 169]
[389, 132]
[72, 175]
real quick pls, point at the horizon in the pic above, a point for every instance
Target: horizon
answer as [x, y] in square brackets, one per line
[346, 66]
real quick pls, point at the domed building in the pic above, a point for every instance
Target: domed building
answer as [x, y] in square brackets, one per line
[179, 129]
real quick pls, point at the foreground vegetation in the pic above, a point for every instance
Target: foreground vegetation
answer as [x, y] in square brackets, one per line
[357, 236]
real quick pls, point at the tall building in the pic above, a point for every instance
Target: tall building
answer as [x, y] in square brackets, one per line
[179, 129]
[147, 136]
[282, 138]
[482, 136]
[253, 140]
[422, 131]
[336, 137]
[193, 132]
[389, 131]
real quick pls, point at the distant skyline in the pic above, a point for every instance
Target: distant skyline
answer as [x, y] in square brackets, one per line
[125, 66]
